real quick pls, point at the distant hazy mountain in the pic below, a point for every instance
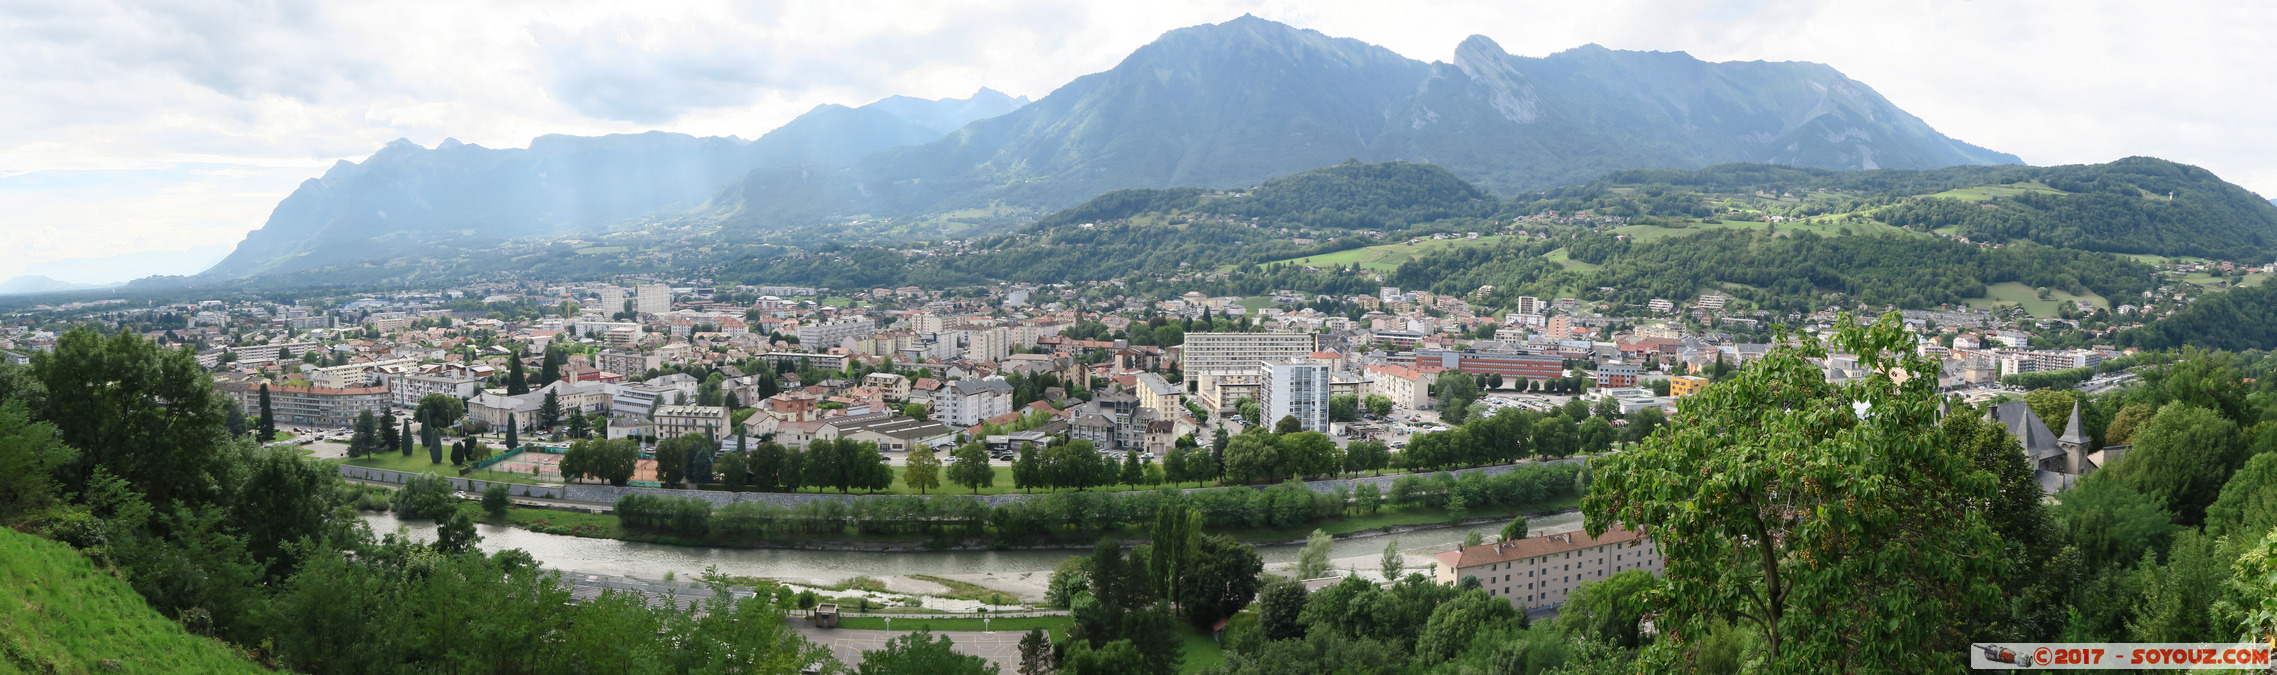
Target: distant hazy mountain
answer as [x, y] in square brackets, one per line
[837, 135]
[1235, 103]
[33, 283]
[405, 196]
[1222, 105]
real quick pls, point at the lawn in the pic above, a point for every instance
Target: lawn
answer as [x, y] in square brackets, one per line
[59, 613]
[2016, 293]
[419, 462]
[1386, 257]
[1255, 302]
[1986, 192]
[1559, 257]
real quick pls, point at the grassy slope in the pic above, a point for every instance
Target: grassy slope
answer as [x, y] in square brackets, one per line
[2015, 293]
[1386, 257]
[59, 614]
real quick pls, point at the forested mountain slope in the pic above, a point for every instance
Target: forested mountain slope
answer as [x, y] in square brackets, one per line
[1232, 104]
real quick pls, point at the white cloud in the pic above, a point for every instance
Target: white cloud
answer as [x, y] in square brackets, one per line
[217, 109]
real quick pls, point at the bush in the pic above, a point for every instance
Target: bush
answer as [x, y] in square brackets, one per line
[423, 497]
[495, 499]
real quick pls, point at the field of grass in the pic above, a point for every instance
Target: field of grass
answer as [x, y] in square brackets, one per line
[58, 614]
[1255, 302]
[1559, 256]
[420, 462]
[1986, 192]
[1386, 257]
[2015, 293]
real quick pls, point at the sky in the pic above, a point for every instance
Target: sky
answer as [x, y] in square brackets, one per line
[177, 125]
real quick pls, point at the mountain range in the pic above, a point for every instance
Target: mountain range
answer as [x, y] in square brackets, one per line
[1219, 106]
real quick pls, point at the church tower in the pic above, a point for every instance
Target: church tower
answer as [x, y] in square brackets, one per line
[2074, 443]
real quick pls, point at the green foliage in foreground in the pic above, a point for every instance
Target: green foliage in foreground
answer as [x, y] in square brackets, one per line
[59, 613]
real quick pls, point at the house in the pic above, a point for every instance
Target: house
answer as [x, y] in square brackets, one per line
[891, 386]
[2057, 462]
[1542, 571]
[522, 410]
[964, 403]
[1406, 387]
[673, 421]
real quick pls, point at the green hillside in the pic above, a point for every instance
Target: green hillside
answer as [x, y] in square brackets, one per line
[59, 614]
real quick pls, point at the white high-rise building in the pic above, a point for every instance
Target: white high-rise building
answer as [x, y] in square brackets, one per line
[1528, 304]
[988, 344]
[612, 299]
[1231, 358]
[1298, 389]
[652, 299]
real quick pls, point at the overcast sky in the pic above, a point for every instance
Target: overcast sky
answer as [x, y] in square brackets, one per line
[176, 124]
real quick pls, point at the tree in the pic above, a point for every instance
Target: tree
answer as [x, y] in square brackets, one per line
[1133, 471]
[1253, 458]
[389, 437]
[1312, 561]
[916, 410]
[1516, 530]
[2109, 521]
[1250, 410]
[1367, 456]
[1379, 405]
[364, 438]
[29, 455]
[1642, 423]
[1344, 408]
[268, 427]
[1843, 539]
[1221, 580]
[971, 468]
[405, 438]
[2182, 457]
[1307, 453]
[1174, 463]
[672, 457]
[1610, 610]
[735, 468]
[516, 384]
[1028, 470]
[2123, 425]
[2176, 595]
[1036, 653]
[512, 441]
[1392, 562]
[579, 426]
[2248, 503]
[1278, 604]
[432, 437]
[921, 652]
[549, 411]
[550, 370]
[439, 410]
[1454, 624]
[1454, 385]
[924, 470]
[143, 413]
[495, 500]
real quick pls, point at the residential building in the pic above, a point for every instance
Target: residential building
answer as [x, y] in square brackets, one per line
[1618, 374]
[1215, 358]
[1158, 394]
[612, 299]
[1542, 571]
[405, 389]
[892, 386]
[1406, 387]
[1686, 385]
[1507, 364]
[966, 402]
[673, 421]
[1296, 388]
[823, 336]
[627, 362]
[522, 410]
[988, 344]
[652, 299]
[306, 405]
[1528, 304]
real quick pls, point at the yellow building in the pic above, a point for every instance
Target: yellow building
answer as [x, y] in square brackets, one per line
[1686, 385]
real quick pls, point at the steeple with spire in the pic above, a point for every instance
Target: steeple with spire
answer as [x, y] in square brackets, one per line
[2074, 442]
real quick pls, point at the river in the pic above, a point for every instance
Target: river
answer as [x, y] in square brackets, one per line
[582, 555]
